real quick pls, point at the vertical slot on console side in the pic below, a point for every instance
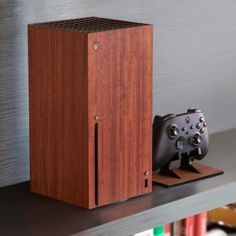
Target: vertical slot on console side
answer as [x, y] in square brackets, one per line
[96, 161]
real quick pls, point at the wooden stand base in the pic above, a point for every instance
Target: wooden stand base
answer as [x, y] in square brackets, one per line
[186, 176]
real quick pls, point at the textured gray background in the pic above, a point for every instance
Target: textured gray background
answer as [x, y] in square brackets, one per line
[194, 62]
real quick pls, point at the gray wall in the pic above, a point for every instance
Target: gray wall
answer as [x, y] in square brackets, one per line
[194, 62]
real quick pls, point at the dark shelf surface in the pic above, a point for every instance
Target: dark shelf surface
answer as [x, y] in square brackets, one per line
[24, 213]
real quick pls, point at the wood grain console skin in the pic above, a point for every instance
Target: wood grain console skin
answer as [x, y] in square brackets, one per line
[75, 87]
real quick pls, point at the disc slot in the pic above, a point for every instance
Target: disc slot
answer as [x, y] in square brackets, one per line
[96, 161]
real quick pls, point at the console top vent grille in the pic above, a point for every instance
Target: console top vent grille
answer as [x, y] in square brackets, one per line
[89, 24]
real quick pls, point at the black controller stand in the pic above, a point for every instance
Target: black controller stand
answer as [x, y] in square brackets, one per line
[167, 170]
[186, 163]
[186, 172]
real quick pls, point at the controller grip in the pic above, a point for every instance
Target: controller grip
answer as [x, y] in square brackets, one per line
[157, 119]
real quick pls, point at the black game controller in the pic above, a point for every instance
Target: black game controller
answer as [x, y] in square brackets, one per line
[181, 137]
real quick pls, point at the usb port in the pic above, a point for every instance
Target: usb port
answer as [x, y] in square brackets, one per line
[146, 183]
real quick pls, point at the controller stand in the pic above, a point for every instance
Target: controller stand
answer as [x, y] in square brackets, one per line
[187, 172]
[182, 139]
[187, 164]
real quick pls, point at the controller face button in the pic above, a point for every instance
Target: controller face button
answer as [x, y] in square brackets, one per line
[184, 129]
[187, 119]
[174, 131]
[205, 124]
[197, 139]
[191, 127]
[202, 130]
[180, 143]
[198, 125]
[201, 119]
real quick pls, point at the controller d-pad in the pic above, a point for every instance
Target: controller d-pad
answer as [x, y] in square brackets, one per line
[180, 143]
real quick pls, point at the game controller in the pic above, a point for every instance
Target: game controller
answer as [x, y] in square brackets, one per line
[181, 137]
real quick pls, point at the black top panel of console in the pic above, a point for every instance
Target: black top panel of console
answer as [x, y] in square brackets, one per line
[89, 24]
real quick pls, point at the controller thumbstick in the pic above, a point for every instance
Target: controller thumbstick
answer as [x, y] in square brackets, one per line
[197, 139]
[174, 131]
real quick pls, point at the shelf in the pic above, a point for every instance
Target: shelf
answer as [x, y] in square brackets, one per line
[24, 213]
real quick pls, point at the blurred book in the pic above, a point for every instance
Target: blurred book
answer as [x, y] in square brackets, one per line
[192, 226]
[187, 226]
[200, 224]
[159, 231]
[168, 230]
[177, 228]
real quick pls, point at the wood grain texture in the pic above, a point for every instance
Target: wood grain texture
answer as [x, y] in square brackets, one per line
[58, 114]
[40, 93]
[32, 214]
[70, 84]
[70, 118]
[120, 78]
